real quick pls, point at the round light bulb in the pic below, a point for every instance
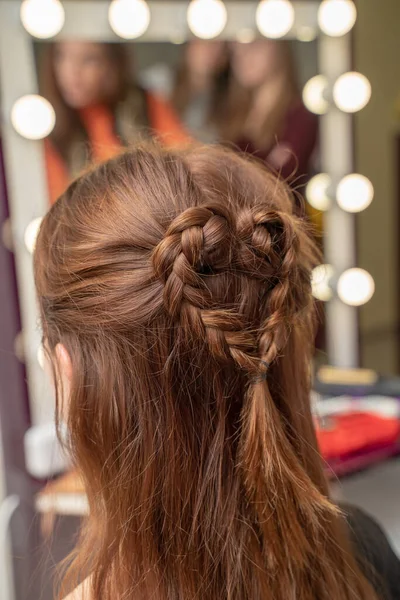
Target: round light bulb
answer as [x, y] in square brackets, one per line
[129, 19]
[42, 18]
[313, 95]
[31, 233]
[274, 18]
[317, 191]
[355, 287]
[306, 33]
[33, 117]
[245, 36]
[336, 17]
[206, 18]
[177, 39]
[351, 92]
[320, 282]
[354, 193]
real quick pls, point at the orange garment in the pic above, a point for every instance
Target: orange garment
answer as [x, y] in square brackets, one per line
[165, 123]
[56, 171]
[99, 125]
[98, 122]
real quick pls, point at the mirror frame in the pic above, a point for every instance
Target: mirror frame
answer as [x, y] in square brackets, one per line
[25, 167]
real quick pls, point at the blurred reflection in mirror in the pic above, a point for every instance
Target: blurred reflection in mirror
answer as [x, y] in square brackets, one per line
[247, 94]
[201, 86]
[99, 108]
[264, 112]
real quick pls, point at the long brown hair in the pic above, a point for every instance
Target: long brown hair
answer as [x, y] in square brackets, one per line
[179, 283]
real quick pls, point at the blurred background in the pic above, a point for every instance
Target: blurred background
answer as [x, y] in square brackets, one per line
[312, 89]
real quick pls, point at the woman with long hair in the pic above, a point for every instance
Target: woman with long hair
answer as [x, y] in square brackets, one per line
[246, 95]
[99, 108]
[174, 288]
[264, 113]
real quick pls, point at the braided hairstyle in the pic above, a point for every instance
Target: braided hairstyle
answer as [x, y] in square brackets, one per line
[179, 283]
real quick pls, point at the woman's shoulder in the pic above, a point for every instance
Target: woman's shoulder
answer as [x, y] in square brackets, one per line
[374, 553]
[82, 592]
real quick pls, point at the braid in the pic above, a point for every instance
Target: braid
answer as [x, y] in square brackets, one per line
[264, 244]
[200, 242]
[270, 246]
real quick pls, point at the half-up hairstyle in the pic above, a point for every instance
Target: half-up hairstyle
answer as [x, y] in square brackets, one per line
[179, 282]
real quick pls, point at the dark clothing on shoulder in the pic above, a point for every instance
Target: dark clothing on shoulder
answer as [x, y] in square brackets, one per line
[297, 141]
[374, 554]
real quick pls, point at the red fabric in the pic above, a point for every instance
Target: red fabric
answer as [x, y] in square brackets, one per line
[354, 432]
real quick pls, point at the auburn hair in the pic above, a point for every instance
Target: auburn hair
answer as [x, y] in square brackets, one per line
[179, 283]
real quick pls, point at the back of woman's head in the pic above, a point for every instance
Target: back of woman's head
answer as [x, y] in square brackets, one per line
[179, 284]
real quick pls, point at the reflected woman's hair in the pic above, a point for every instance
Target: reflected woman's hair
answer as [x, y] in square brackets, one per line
[261, 66]
[202, 77]
[179, 283]
[228, 76]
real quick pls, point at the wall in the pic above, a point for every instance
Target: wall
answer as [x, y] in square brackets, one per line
[376, 53]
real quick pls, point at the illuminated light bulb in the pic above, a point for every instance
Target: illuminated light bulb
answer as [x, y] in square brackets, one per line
[245, 36]
[317, 191]
[42, 18]
[320, 282]
[355, 287]
[354, 193]
[177, 39]
[274, 18]
[306, 33]
[313, 94]
[336, 17]
[129, 19]
[351, 92]
[33, 117]
[31, 233]
[206, 18]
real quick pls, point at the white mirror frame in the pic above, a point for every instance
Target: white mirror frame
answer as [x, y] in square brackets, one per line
[25, 166]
